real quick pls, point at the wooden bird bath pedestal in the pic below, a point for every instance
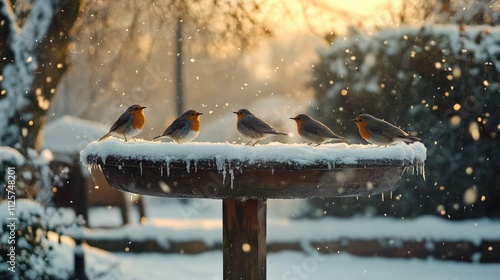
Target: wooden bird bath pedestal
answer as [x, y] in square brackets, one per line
[245, 177]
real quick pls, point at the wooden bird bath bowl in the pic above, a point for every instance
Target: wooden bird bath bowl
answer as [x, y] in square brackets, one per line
[245, 177]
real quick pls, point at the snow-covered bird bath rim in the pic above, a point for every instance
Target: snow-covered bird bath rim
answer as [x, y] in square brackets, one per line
[222, 170]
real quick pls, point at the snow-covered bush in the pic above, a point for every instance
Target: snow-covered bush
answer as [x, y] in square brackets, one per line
[35, 35]
[34, 256]
[441, 82]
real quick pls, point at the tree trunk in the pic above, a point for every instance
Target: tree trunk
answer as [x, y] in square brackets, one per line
[51, 55]
[34, 42]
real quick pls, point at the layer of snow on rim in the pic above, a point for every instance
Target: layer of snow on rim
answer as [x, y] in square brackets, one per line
[300, 154]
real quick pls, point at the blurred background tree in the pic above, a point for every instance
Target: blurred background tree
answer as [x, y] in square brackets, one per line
[440, 81]
[34, 35]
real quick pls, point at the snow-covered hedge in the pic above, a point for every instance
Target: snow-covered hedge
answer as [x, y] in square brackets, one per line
[440, 81]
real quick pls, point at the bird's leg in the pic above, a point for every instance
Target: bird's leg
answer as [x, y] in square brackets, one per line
[309, 144]
[135, 140]
[317, 145]
[249, 143]
[255, 143]
[125, 137]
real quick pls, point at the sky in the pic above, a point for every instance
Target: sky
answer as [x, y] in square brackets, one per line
[337, 14]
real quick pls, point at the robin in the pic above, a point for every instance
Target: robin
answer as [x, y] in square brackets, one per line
[314, 131]
[254, 128]
[130, 123]
[185, 128]
[380, 132]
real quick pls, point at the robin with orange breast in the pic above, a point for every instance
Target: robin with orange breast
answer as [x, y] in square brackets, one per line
[380, 132]
[314, 131]
[130, 123]
[185, 128]
[252, 127]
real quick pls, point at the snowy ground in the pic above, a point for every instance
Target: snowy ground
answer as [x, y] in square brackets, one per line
[202, 218]
[288, 265]
[184, 221]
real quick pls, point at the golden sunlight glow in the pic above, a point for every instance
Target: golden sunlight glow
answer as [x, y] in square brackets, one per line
[186, 224]
[350, 13]
[474, 131]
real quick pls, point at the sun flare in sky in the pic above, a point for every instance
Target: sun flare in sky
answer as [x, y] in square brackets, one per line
[325, 16]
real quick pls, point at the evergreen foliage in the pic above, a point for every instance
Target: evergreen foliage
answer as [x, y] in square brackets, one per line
[441, 82]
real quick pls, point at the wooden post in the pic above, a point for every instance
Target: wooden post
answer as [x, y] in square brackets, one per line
[244, 239]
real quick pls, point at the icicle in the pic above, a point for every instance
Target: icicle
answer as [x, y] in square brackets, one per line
[422, 169]
[224, 175]
[188, 165]
[161, 170]
[330, 165]
[232, 177]
[140, 166]
[89, 168]
[220, 164]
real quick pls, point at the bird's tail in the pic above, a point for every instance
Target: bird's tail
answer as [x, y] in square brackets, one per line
[281, 133]
[342, 139]
[104, 137]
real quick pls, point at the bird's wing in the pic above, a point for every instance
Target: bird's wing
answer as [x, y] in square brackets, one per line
[320, 129]
[257, 124]
[386, 129]
[323, 131]
[175, 125]
[121, 121]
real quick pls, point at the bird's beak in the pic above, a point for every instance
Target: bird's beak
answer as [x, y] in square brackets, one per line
[353, 120]
[292, 118]
[142, 108]
[235, 112]
[200, 113]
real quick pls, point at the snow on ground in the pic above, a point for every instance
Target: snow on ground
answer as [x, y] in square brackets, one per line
[295, 266]
[200, 219]
[183, 220]
[283, 265]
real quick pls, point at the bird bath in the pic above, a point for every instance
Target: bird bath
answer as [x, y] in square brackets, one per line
[245, 177]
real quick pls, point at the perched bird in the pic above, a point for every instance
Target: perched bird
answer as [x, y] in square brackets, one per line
[130, 123]
[185, 128]
[254, 128]
[380, 132]
[314, 131]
